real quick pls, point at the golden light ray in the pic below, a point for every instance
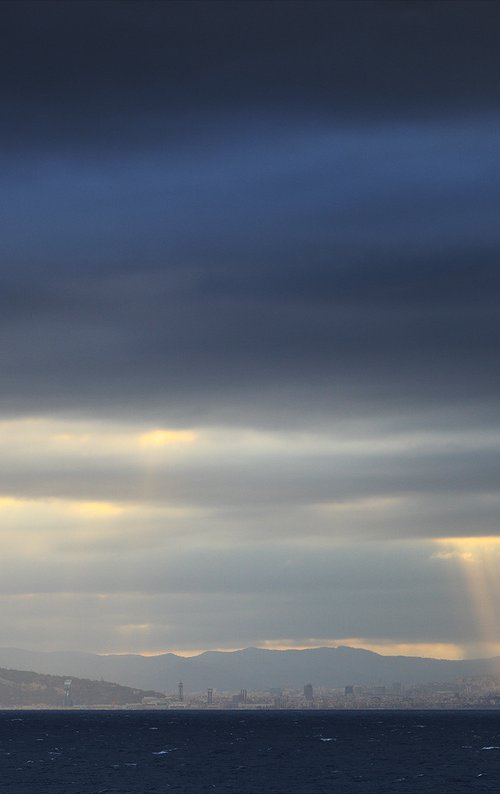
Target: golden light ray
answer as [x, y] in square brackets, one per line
[479, 563]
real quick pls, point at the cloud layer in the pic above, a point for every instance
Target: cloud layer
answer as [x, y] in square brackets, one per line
[249, 323]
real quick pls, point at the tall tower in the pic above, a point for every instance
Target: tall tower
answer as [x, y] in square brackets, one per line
[210, 696]
[67, 693]
[181, 691]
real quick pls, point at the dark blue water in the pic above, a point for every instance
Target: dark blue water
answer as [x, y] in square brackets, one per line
[308, 752]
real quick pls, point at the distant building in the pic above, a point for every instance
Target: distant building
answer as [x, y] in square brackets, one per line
[308, 692]
[241, 697]
[210, 697]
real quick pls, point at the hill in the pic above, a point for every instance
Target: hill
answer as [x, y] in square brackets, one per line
[26, 688]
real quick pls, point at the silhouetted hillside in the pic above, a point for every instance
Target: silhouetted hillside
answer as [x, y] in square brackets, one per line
[22, 688]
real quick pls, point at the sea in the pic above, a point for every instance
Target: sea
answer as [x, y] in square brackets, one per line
[307, 752]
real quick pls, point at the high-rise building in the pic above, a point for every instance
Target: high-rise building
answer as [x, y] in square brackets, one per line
[308, 692]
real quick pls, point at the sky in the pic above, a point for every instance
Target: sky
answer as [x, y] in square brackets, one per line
[250, 326]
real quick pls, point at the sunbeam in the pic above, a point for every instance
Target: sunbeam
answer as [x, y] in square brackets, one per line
[479, 562]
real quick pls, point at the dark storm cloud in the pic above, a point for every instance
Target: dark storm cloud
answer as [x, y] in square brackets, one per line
[300, 268]
[95, 64]
[189, 357]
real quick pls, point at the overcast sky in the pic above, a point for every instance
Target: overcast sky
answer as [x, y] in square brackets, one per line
[250, 325]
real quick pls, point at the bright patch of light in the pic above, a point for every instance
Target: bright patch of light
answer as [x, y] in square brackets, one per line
[97, 509]
[479, 563]
[163, 438]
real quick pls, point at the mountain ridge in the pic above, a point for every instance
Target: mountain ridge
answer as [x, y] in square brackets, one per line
[250, 668]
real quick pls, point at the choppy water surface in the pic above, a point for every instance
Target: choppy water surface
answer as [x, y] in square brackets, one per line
[336, 752]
